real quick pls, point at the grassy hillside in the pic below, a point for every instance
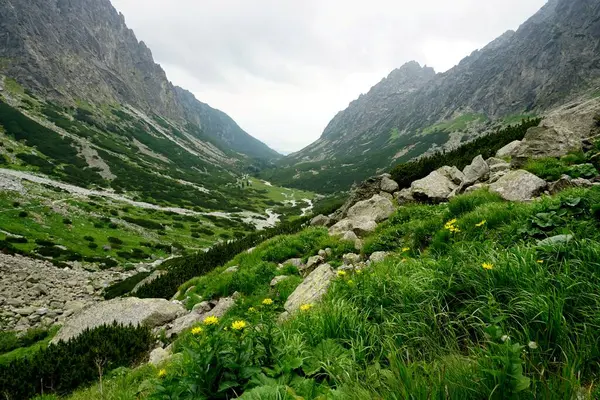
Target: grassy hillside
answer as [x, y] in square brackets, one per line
[469, 305]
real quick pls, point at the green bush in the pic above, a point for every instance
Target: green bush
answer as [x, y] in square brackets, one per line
[67, 221]
[125, 286]
[114, 240]
[23, 214]
[89, 238]
[64, 366]
[550, 169]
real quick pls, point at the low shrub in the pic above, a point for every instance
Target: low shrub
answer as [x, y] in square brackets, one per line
[121, 288]
[114, 240]
[62, 367]
[67, 221]
[23, 214]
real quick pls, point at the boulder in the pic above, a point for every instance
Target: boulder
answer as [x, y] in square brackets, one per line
[388, 185]
[404, 196]
[476, 187]
[555, 240]
[434, 188]
[378, 256]
[544, 141]
[320, 220]
[377, 209]
[478, 170]
[312, 263]
[518, 185]
[509, 150]
[189, 320]
[358, 226]
[364, 191]
[202, 307]
[566, 182]
[126, 311]
[350, 236]
[495, 176]
[159, 356]
[387, 195]
[351, 258]
[453, 174]
[322, 253]
[312, 289]
[296, 262]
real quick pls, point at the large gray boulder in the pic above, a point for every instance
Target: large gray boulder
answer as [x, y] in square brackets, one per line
[509, 150]
[364, 191]
[312, 289]
[452, 173]
[566, 182]
[320, 220]
[478, 170]
[126, 311]
[434, 188]
[377, 209]
[518, 185]
[544, 141]
[358, 226]
[404, 196]
[187, 321]
[388, 185]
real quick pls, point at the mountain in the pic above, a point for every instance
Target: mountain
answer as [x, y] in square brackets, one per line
[552, 57]
[81, 50]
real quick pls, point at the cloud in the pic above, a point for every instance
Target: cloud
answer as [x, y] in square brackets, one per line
[283, 69]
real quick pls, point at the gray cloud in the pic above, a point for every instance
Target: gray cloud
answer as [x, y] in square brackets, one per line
[282, 69]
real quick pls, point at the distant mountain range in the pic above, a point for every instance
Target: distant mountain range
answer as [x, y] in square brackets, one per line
[552, 57]
[81, 51]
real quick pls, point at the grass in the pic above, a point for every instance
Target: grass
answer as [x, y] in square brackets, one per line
[517, 118]
[457, 124]
[29, 349]
[279, 194]
[480, 312]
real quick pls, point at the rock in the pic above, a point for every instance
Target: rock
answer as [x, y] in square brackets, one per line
[320, 220]
[509, 150]
[358, 226]
[518, 185]
[39, 290]
[202, 307]
[434, 188]
[388, 185]
[378, 256]
[312, 263]
[358, 245]
[477, 171]
[232, 270]
[365, 190]
[33, 279]
[90, 289]
[14, 302]
[350, 236]
[387, 195]
[278, 279]
[404, 196]
[495, 176]
[351, 258]
[476, 187]
[106, 248]
[187, 321]
[129, 310]
[159, 356]
[498, 167]
[42, 311]
[566, 182]
[545, 141]
[296, 262]
[453, 174]
[555, 240]
[328, 252]
[346, 268]
[322, 253]
[312, 289]
[377, 209]
[25, 311]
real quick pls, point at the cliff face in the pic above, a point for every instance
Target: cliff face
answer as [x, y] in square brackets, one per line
[82, 50]
[552, 57]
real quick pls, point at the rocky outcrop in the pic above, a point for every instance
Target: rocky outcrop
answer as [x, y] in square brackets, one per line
[566, 182]
[477, 171]
[320, 220]
[377, 209]
[518, 185]
[126, 311]
[388, 185]
[509, 150]
[312, 289]
[364, 191]
[434, 188]
[186, 321]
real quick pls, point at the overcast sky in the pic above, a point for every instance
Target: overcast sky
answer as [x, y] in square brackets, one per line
[283, 68]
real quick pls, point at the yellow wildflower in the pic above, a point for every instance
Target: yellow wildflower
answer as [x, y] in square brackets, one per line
[197, 330]
[306, 307]
[487, 266]
[540, 261]
[341, 273]
[252, 310]
[238, 325]
[482, 223]
[350, 282]
[358, 271]
[211, 320]
[162, 373]
[267, 302]
[405, 249]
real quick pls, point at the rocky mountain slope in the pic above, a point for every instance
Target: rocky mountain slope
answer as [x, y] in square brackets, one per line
[76, 51]
[552, 57]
